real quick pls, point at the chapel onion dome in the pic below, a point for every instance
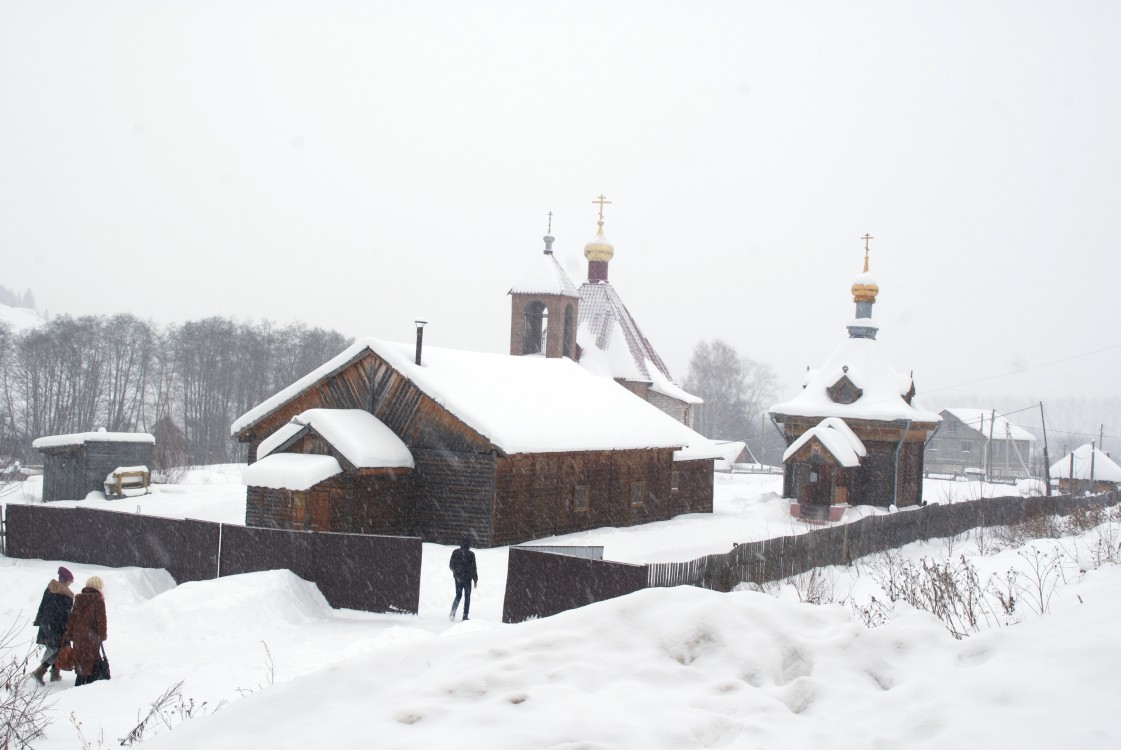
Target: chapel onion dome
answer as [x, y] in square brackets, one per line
[599, 249]
[864, 287]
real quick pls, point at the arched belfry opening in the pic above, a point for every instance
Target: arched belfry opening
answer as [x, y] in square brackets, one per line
[535, 320]
[569, 337]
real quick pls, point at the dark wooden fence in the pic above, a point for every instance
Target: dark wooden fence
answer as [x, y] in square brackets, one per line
[188, 550]
[781, 557]
[539, 584]
[354, 571]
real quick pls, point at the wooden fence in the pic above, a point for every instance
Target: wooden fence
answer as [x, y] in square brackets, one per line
[540, 583]
[782, 557]
[353, 571]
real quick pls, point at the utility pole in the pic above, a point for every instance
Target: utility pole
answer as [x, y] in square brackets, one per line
[1093, 451]
[1046, 457]
[989, 456]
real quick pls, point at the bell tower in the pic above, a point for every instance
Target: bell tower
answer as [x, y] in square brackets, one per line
[544, 308]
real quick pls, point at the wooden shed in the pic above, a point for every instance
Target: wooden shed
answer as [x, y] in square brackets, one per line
[504, 449]
[75, 465]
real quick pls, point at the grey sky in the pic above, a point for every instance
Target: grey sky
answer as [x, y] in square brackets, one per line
[360, 165]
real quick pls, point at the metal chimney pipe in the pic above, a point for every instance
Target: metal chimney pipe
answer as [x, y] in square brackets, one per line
[420, 324]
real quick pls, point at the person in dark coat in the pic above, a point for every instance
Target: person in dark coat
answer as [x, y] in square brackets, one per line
[51, 619]
[463, 569]
[87, 630]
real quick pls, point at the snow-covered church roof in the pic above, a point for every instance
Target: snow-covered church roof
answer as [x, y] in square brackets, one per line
[856, 381]
[1105, 469]
[520, 404]
[837, 438]
[612, 344]
[545, 276]
[882, 389]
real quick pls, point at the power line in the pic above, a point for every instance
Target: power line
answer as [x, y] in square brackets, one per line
[1025, 369]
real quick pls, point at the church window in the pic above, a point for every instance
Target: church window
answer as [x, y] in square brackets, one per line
[580, 498]
[566, 346]
[299, 509]
[638, 493]
[675, 480]
[536, 315]
[844, 391]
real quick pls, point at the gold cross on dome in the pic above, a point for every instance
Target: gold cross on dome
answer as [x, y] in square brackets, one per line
[601, 200]
[550, 230]
[866, 238]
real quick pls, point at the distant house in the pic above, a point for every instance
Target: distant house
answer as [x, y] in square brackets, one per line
[854, 435]
[979, 439]
[498, 448]
[732, 452]
[551, 317]
[75, 465]
[1086, 469]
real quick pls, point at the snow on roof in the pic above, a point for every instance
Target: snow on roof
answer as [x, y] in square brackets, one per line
[278, 438]
[521, 404]
[358, 435]
[700, 447]
[612, 343]
[290, 471]
[981, 420]
[1105, 469]
[730, 450]
[836, 437]
[101, 436]
[883, 388]
[545, 276]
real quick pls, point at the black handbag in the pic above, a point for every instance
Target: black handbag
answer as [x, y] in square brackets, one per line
[101, 668]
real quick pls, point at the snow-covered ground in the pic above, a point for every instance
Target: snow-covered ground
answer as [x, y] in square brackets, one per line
[662, 668]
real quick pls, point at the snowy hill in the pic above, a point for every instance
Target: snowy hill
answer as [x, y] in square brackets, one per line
[19, 319]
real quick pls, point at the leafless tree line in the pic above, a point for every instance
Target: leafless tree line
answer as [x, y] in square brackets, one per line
[185, 383]
[737, 393]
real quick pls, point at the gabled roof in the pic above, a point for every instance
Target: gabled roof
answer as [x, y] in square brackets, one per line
[290, 471]
[358, 436]
[981, 421]
[613, 345]
[883, 389]
[545, 276]
[1105, 469]
[836, 437]
[519, 404]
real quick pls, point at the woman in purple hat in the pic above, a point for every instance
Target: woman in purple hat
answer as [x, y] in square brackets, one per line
[54, 612]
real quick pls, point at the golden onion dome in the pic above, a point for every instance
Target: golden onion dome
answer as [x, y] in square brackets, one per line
[599, 248]
[864, 287]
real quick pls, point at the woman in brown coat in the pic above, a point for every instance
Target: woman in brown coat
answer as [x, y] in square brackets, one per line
[86, 630]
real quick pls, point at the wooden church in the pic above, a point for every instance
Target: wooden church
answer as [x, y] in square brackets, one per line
[449, 444]
[550, 317]
[854, 434]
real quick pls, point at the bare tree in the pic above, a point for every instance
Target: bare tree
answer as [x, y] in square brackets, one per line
[24, 711]
[129, 346]
[736, 391]
[79, 374]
